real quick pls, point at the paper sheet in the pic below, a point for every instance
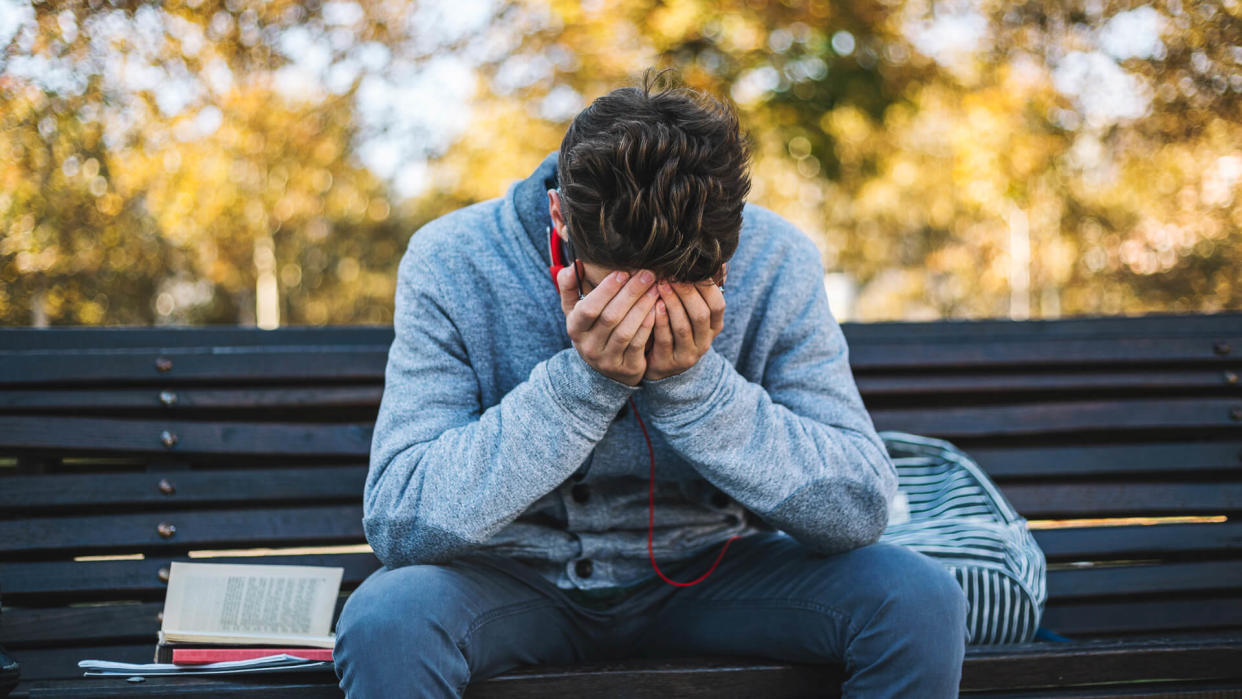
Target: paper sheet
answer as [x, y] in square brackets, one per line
[222, 602]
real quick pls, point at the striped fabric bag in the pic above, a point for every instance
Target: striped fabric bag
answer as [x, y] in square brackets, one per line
[947, 508]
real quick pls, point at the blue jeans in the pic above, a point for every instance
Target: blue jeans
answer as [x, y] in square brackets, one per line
[895, 618]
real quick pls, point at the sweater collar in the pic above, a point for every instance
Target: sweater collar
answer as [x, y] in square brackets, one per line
[530, 199]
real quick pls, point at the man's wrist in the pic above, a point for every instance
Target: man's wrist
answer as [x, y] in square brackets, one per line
[585, 392]
[694, 386]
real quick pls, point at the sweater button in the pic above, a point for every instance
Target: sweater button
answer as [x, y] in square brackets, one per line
[581, 492]
[583, 568]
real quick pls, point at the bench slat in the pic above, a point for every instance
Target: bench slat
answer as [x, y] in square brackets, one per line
[120, 623]
[73, 400]
[1088, 500]
[980, 353]
[353, 360]
[1146, 616]
[1051, 462]
[342, 362]
[1152, 324]
[1147, 325]
[36, 494]
[39, 582]
[125, 533]
[25, 582]
[1062, 417]
[295, 686]
[1091, 662]
[267, 365]
[328, 439]
[1168, 579]
[1139, 541]
[994, 668]
[100, 435]
[99, 624]
[340, 523]
[62, 662]
[945, 385]
[97, 579]
[111, 623]
[157, 338]
[872, 387]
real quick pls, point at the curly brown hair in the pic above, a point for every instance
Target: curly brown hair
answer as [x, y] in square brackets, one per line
[655, 180]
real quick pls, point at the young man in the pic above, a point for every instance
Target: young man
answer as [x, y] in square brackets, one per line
[508, 496]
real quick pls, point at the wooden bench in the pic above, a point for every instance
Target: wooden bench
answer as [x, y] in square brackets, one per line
[152, 445]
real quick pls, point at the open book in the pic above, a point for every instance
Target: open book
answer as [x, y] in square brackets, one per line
[220, 603]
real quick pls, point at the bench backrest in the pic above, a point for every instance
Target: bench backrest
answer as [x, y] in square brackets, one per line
[146, 446]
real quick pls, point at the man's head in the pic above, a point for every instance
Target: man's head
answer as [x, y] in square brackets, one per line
[653, 180]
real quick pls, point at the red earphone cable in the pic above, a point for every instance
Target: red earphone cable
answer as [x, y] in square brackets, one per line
[651, 514]
[558, 263]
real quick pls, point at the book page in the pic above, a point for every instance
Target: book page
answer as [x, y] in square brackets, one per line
[220, 602]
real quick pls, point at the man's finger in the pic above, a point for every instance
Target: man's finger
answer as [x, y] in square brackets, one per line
[714, 298]
[567, 284]
[663, 345]
[683, 332]
[639, 344]
[624, 332]
[699, 314]
[590, 307]
[616, 310]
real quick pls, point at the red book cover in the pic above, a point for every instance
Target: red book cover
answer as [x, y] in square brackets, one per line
[201, 656]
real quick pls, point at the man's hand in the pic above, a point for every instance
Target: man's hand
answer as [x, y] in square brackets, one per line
[688, 319]
[610, 327]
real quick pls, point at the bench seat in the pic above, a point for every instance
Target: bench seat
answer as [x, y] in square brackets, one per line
[251, 446]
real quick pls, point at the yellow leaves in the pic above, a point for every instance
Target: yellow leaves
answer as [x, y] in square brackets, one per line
[321, 180]
[673, 21]
[90, 311]
[378, 210]
[909, 187]
[32, 262]
[847, 124]
[347, 270]
[109, 204]
[740, 33]
[284, 208]
[327, 151]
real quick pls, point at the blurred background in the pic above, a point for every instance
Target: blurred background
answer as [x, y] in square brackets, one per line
[264, 163]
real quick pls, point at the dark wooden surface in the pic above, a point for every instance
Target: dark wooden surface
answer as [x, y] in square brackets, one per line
[1041, 668]
[1078, 418]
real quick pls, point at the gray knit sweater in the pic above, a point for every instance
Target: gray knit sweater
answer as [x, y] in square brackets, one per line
[494, 434]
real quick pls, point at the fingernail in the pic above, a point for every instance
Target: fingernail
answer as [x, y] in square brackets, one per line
[622, 276]
[645, 277]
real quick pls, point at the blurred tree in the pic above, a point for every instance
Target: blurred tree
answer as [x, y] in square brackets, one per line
[178, 163]
[157, 171]
[956, 160]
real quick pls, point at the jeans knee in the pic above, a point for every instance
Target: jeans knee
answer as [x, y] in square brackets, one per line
[945, 596]
[399, 633]
[401, 607]
[917, 594]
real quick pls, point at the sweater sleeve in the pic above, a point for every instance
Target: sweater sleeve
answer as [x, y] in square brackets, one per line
[445, 474]
[799, 450]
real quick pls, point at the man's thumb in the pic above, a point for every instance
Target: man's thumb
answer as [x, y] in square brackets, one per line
[565, 278]
[564, 283]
